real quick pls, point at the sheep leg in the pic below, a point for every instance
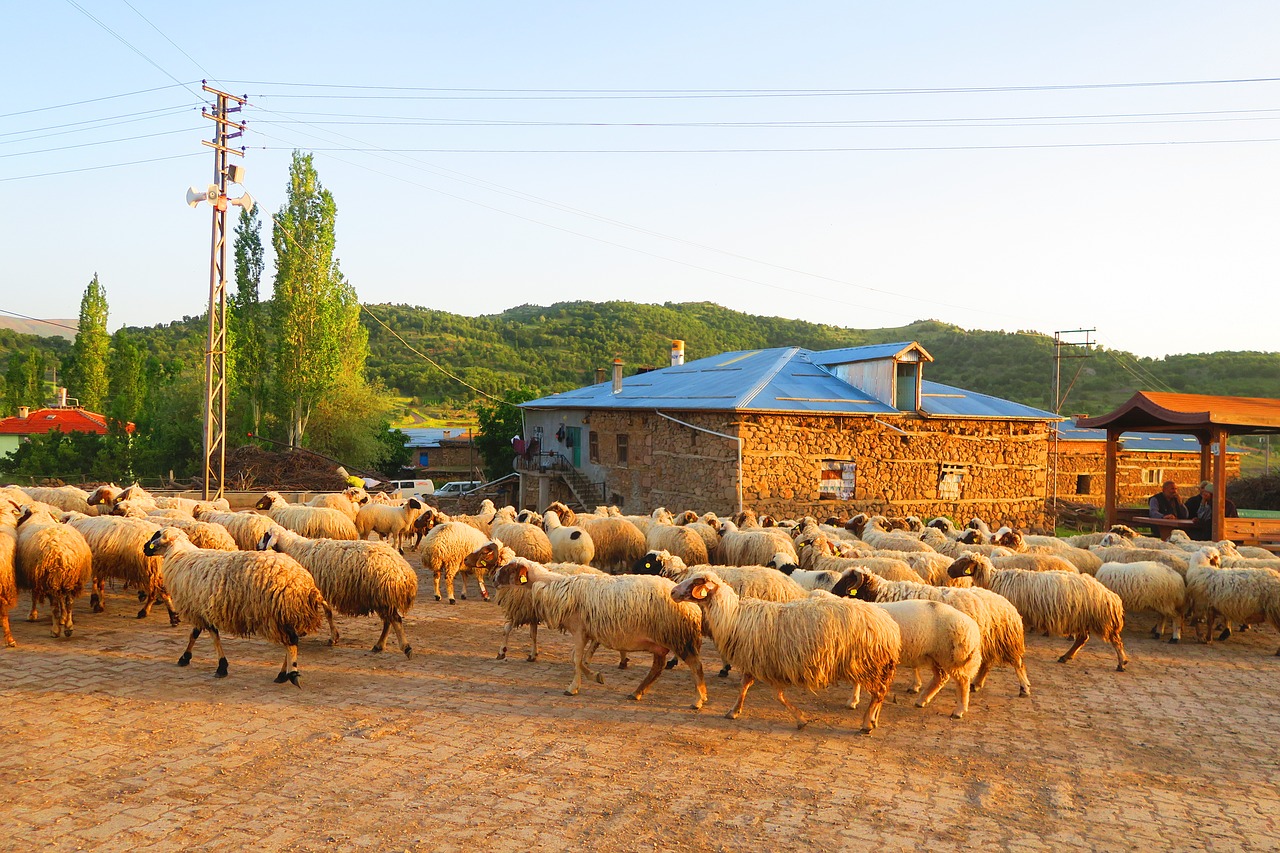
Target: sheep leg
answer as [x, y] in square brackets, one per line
[694, 662]
[876, 693]
[981, 678]
[724, 671]
[55, 607]
[1021, 669]
[186, 655]
[579, 663]
[659, 663]
[333, 629]
[1178, 621]
[915, 688]
[174, 618]
[98, 594]
[386, 629]
[8, 635]
[397, 625]
[856, 696]
[290, 670]
[801, 722]
[436, 574]
[591, 652]
[747, 680]
[1122, 660]
[34, 616]
[448, 582]
[1157, 630]
[147, 604]
[624, 661]
[221, 671]
[940, 678]
[67, 625]
[1080, 640]
[533, 642]
[484, 593]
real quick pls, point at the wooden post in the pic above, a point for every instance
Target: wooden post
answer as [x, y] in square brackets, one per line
[1219, 484]
[1113, 441]
[1206, 445]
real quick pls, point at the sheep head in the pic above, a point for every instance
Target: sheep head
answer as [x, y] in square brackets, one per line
[698, 589]
[974, 566]
[163, 540]
[269, 500]
[658, 563]
[490, 555]
[104, 494]
[513, 573]
[1009, 538]
[782, 562]
[1123, 530]
[854, 583]
[942, 523]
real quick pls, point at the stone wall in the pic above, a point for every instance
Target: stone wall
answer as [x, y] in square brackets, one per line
[1139, 474]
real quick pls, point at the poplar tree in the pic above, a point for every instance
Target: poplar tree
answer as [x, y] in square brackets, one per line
[318, 335]
[248, 350]
[87, 379]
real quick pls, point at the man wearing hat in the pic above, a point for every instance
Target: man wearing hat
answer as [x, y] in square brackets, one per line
[1200, 508]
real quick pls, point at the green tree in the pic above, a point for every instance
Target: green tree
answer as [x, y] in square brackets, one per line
[126, 378]
[248, 348]
[499, 423]
[318, 336]
[15, 383]
[87, 375]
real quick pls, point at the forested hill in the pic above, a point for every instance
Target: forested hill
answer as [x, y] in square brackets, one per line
[557, 347]
[539, 350]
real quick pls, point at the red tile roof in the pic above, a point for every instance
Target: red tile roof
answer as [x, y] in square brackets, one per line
[41, 421]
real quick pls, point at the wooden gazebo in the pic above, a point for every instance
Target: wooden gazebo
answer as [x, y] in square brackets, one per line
[1211, 420]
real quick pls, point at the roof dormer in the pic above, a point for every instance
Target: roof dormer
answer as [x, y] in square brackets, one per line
[889, 372]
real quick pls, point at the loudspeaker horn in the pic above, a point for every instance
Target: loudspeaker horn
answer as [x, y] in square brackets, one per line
[245, 201]
[194, 196]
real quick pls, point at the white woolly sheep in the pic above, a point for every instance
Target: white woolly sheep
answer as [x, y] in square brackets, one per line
[628, 613]
[1114, 548]
[348, 501]
[1148, 586]
[816, 555]
[1237, 595]
[392, 523]
[135, 492]
[753, 547]
[1033, 563]
[116, 544]
[1084, 560]
[804, 578]
[877, 536]
[54, 562]
[314, 522]
[680, 541]
[619, 543]
[8, 556]
[66, 498]
[356, 578]
[811, 643]
[568, 544]
[241, 592]
[246, 528]
[526, 540]
[444, 552]
[1067, 604]
[1003, 640]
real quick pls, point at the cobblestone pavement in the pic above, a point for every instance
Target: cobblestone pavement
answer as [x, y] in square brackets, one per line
[108, 745]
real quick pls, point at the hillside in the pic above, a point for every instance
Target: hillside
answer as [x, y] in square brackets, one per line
[38, 328]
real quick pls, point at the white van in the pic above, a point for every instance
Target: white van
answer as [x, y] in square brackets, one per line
[455, 488]
[404, 489]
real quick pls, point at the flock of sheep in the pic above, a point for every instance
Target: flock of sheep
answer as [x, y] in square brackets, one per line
[792, 603]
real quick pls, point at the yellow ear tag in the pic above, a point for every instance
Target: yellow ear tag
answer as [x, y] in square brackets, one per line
[853, 593]
[699, 592]
[524, 579]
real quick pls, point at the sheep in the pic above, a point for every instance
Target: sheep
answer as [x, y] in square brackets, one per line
[203, 534]
[811, 642]
[1034, 563]
[390, 522]
[116, 544]
[1000, 625]
[680, 541]
[619, 543]
[1114, 548]
[1148, 586]
[66, 498]
[246, 528]
[1084, 560]
[875, 535]
[945, 525]
[526, 540]
[753, 547]
[644, 522]
[1088, 540]
[816, 554]
[348, 501]
[568, 544]
[8, 556]
[103, 495]
[356, 578]
[628, 613]
[939, 636]
[1237, 595]
[804, 578]
[137, 493]
[54, 562]
[242, 592]
[314, 522]
[135, 508]
[1068, 604]
[445, 551]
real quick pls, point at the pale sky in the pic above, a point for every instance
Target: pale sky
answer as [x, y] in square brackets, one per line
[836, 162]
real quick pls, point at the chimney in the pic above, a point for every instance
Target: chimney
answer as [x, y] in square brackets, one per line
[617, 375]
[677, 353]
[600, 375]
[24, 411]
[62, 398]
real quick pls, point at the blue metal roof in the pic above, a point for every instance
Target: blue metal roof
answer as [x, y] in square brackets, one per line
[431, 436]
[941, 400]
[1150, 442]
[872, 352]
[786, 379]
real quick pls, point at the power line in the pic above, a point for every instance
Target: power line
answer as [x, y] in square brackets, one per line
[94, 100]
[106, 121]
[96, 168]
[100, 142]
[75, 329]
[169, 40]
[127, 44]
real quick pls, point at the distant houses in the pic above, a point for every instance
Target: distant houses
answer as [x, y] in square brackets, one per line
[30, 422]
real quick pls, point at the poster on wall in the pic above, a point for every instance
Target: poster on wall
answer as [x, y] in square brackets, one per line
[837, 480]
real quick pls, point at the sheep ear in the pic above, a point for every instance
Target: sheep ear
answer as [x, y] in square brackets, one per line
[700, 591]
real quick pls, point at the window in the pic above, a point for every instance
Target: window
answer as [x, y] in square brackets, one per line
[1152, 476]
[837, 480]
[1083, 484]
[905, 374]
[593, 447]
[622, 449]
[951, 481]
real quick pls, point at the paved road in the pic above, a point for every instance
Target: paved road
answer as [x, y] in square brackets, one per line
[108, 745]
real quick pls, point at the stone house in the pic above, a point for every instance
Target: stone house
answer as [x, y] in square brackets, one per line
[790, 431]
[443, 454]
[28, 422]
[1145, 460]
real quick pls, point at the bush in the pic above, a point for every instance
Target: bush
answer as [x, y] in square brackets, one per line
[1261, 492]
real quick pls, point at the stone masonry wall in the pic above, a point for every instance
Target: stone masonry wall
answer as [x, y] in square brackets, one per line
[1089, 459]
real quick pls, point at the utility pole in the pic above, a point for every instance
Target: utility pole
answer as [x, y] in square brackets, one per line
[1080, 348]
[215, 357]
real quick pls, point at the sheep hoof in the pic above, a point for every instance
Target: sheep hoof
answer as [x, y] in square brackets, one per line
[282, 677]
[865, 731]
[485, 596]
[671, 664]
[913, 691]
[571, 693]
[174, 618]
[1024, 692]
[637, 696]
[222, 668]
[185, 659]
[957, 716]
[142, 596]
[437, 598]
[1063, 659]
[451, 601]
[293, 679]
[408, 651]
[800, 724]
[463, 597]
[1225, 635]
[142, 614]
[378, 648]
[1173, 640]
[12, 643]
[531, 658]
[732, 715]
[66, 633]
[1120, 667]
[600, 680]
[697, 706]
[922, 704]
[724, 672]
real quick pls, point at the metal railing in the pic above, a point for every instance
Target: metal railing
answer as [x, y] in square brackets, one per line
[589, 493]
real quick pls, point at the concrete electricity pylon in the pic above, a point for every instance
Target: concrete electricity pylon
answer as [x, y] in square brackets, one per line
[215, 356]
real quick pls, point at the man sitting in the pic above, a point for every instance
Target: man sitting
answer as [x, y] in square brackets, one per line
[1201, 509]
[1166, 503]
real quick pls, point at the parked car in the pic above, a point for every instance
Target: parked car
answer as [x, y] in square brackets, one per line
[402, 489]
[455, 488]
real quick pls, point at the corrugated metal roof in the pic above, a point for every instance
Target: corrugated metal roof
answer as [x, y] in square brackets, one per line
[940, 400]
[1156, 410]
[1146, 442]
[872, 352]
[786, 379]
[432, 436]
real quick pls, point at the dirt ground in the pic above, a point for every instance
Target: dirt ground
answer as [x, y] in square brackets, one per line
[108, 745]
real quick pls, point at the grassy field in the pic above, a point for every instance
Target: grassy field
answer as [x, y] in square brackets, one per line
[409, 416]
